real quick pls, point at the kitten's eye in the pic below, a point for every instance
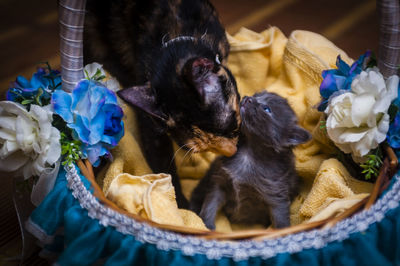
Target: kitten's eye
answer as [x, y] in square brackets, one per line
[217, 59]
[267, 109]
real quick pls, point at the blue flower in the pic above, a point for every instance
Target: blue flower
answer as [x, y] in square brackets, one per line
[393, 135]
[340, 79]
[396, 102]
[93, 114]
[47, 80]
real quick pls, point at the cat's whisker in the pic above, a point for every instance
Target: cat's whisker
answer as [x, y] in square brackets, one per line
[176, 152]
[204, 34]
[191, 154]
[163, 39]
[184, 157]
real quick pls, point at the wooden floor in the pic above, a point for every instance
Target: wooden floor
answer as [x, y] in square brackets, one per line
[29, 35]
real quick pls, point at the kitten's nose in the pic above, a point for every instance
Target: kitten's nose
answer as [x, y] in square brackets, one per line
[247, 100]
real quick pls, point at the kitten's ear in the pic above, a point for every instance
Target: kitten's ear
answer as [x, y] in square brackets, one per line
[297, 135]
[142, 97]
[195, 71]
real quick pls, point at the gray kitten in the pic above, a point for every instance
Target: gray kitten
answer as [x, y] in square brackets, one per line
[256, 185]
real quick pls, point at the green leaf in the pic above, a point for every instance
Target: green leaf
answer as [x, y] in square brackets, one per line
[372, 61]
[56, 86]
[17, 93]
[26, 102]
[393, 109]
[47, 65]
[100, 78]
[37, 97]
[322, 124]
[70, 149]
[98, 72]
[372, 164]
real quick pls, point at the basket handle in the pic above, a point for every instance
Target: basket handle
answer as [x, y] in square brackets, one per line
[389, 37]
[71, 20]
[72, 16]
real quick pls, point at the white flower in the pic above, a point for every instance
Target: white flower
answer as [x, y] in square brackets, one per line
[91, 70]
[29, 144]
[358, 120]
[110, 82]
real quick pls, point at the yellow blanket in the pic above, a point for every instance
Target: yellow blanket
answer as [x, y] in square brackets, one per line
[290, 67]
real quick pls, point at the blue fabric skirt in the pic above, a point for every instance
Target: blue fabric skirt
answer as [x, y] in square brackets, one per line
[72, 224]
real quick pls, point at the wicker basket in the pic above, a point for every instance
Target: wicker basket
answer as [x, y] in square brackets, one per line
[71, 32]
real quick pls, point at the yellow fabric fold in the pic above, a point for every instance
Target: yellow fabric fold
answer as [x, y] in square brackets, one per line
[290, 67]
[332, 183]
[153, 197]
[127, 156]
[334, 206]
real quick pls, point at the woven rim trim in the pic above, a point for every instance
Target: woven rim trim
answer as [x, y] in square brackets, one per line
[238, 250]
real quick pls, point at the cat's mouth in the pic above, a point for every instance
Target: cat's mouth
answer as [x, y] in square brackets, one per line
[204, 141]
[244, 104]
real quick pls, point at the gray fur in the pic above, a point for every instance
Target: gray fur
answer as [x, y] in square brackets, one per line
[256, 185]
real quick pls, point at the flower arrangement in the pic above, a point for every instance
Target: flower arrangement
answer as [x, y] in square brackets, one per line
[42, 126]
[361, 110]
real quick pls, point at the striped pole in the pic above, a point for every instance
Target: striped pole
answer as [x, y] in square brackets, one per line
[389, 38]
[71, 19]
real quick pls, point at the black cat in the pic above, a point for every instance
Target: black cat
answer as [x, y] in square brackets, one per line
[176, 51]
[255, 185]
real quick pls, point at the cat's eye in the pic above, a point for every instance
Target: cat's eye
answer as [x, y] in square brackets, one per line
[267, 109]
[217, 60]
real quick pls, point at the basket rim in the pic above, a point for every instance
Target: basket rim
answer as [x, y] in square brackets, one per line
[108, 215]
[387, 171]
[240, 249]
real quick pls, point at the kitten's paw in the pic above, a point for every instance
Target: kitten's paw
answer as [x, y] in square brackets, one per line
[210, 225]
[194, 207]
[282, 223]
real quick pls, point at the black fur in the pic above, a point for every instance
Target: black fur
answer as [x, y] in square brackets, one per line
[255, 186]
[182, 89]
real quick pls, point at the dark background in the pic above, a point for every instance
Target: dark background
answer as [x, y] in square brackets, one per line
[29, 35]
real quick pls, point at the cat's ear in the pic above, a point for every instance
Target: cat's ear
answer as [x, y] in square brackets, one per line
[142, 97]
[296, 135]
[196, 71]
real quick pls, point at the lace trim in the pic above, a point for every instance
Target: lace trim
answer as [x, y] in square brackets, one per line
[238, 250]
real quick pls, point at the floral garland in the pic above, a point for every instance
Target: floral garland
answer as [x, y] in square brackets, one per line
[361, 110]
[41, 125]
